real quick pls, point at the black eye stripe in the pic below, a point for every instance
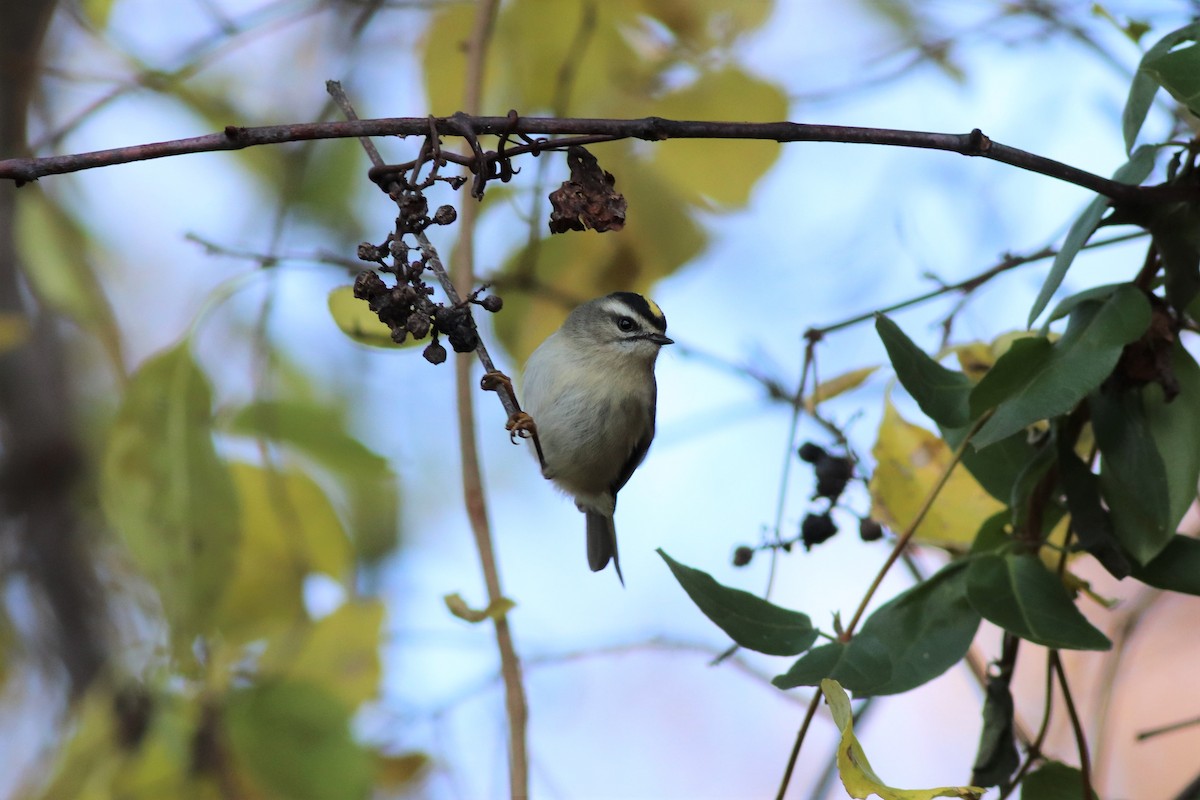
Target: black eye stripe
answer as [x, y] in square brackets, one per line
[649, 314]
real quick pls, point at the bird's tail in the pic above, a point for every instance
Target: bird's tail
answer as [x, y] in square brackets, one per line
[602, 543]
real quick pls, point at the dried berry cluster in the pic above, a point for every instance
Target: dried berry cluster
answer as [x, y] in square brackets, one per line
[407, 308]
[833, 473]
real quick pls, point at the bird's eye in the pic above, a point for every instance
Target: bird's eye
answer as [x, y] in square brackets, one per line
[626, 324]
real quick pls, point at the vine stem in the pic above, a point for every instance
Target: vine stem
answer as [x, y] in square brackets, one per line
[893, 557]
[1008, 262]
[1034, 751]
[1085, 766]
[462, 275]
[474, 500]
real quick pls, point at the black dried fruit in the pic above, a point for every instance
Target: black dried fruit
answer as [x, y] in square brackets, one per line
[816, 528]
[810, 452]
[435, 353]
[869, 530]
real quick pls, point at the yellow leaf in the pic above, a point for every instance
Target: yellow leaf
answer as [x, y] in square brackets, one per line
[857, 776]
[976, 358]
[731, 168]
[358, 321]
[445, 57]
[14, 330]
[97, 12]
[393, 773]
[459, 608]
[127, 750]
[289, 530]
[909, 461]
[339, 653]
[835, 386]
[1051, 551]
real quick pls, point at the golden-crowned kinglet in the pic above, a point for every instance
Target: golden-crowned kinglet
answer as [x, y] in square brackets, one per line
[590, 390]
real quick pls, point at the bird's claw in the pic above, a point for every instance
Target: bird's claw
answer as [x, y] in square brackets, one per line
[520, 425]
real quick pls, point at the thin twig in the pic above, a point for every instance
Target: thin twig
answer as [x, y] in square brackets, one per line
[975, 143]
[795, 754]
[968, 285]
[1034, 752]
[806, 369]
[1174, 726]
[1085, 765]
[510, 664]
[462, 273]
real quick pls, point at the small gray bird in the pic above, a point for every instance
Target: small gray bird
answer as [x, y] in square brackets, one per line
[591, 392]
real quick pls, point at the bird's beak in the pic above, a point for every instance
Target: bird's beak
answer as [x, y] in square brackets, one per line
[659, 339]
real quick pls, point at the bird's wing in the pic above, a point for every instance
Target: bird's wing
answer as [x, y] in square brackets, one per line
[636, 455]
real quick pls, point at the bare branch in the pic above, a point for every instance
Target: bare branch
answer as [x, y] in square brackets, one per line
[975, 143]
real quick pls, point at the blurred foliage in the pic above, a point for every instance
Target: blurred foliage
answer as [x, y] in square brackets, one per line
[251, 693]
[629, 58]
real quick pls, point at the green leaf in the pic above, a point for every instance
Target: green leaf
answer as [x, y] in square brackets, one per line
[1090, 521]
[1020, 595]
[905, 643]
[749, 620]
[1146, 82]
[1149, 460]
[169, 495]
[339, 652]
[1025, 484]
[993, 534]
[861, 662]
[1176, 231]
[1134, 172]
[940, 392]
[997, 757]
[1053, 781]
[1068, 304]
[926, 630]
[1012, 373]
[1175, 428]
[1175, 569]
[1178, 71]
[997, 466]
[60, 264]
[320, 432]
[295, 739]
[1077, 364]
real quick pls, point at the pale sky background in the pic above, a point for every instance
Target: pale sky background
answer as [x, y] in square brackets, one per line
[832, 231]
